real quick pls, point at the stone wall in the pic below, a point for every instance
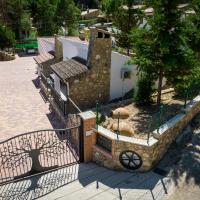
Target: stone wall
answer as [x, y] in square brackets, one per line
[45, 66]
[150, 152]
[94, 85]
[4, 56]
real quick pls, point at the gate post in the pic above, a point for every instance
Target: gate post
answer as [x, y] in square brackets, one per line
[88, 121]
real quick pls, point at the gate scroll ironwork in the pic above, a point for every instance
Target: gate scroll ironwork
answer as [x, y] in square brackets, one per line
[39, 151]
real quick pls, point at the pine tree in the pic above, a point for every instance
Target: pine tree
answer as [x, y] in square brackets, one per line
[7, 37]
[13, 13]
[192, 28]
[67, 13]
[161, 48]
[125, 17]
[45, 17]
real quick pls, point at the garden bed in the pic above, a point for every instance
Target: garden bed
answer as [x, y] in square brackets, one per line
[140, 121]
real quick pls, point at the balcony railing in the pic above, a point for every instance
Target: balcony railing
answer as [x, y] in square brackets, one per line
[54, 95]
[62, 104]
[67, 105]
[44, 81]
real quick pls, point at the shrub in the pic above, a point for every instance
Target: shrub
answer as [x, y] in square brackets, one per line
[145, 90]
[7, 38]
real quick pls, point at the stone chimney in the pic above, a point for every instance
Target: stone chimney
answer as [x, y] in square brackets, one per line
[58, 48]
[100, 48]
[99, 64]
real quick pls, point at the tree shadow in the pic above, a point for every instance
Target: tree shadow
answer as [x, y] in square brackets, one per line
[56, 123]
[121, 183]
[142, 119]
[189, 165]
[149, 118]
[182, 160]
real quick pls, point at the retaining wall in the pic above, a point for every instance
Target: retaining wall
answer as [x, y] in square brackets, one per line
[150, 152]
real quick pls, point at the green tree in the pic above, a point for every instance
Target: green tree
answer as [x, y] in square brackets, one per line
[45, 17]
[145, 90]
[192, 27]
[26, 24]
[88, 3]
[110, 6]
[7, 37]
[17, 9]
[68, 14]
[161, 49]
[125, 17]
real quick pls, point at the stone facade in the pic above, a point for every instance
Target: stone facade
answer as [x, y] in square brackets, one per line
[6, 56]
[58, 48]
[94, 85]
[151, 152]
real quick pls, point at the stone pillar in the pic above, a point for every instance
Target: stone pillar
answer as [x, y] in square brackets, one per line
[88, 119]
[58, 48]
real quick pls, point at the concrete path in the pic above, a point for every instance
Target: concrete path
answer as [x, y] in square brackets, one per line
[186, 172]
[22, 107]
[88, 181]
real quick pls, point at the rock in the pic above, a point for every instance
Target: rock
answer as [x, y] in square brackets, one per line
[122, 113]
[110, 123]
[124, 128]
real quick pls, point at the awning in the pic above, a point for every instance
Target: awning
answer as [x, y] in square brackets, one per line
[43, 58]
[70, 68]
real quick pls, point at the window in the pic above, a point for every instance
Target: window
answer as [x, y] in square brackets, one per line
[126, 74]
[63, 88]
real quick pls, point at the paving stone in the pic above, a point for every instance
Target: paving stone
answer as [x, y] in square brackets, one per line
[22, 108]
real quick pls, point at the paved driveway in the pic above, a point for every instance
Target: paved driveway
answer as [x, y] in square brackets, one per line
[88, 181]
[22, 108]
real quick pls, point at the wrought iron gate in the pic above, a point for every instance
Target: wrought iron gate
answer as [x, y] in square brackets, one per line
[37, 152]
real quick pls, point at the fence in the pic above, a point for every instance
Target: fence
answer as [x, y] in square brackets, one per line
[163, 113]
[63, 105]
[37, 152]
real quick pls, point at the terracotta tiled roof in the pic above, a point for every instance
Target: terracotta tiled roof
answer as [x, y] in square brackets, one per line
[43, 58]
[70, 68]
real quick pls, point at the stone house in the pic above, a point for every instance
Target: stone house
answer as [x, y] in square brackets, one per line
[86, 81]
[86, 72]
[45, 59]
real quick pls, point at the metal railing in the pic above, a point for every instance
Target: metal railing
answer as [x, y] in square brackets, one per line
[65, 106]
[44, 81]
[37, 152]
[62, 104]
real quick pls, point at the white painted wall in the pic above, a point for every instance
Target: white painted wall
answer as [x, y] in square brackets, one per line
[73, 48]
[118, 87]
[46, 45]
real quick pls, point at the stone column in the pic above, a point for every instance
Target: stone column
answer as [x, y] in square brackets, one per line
[88, 122]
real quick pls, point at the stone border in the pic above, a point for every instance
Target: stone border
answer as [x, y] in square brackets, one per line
[150, 152]
[4, 56]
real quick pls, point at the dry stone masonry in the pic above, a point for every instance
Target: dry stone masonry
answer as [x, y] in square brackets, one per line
[145, 155]
[4, 56]
[94, 85]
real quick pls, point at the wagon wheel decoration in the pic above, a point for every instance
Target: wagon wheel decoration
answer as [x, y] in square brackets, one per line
[130, 160]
